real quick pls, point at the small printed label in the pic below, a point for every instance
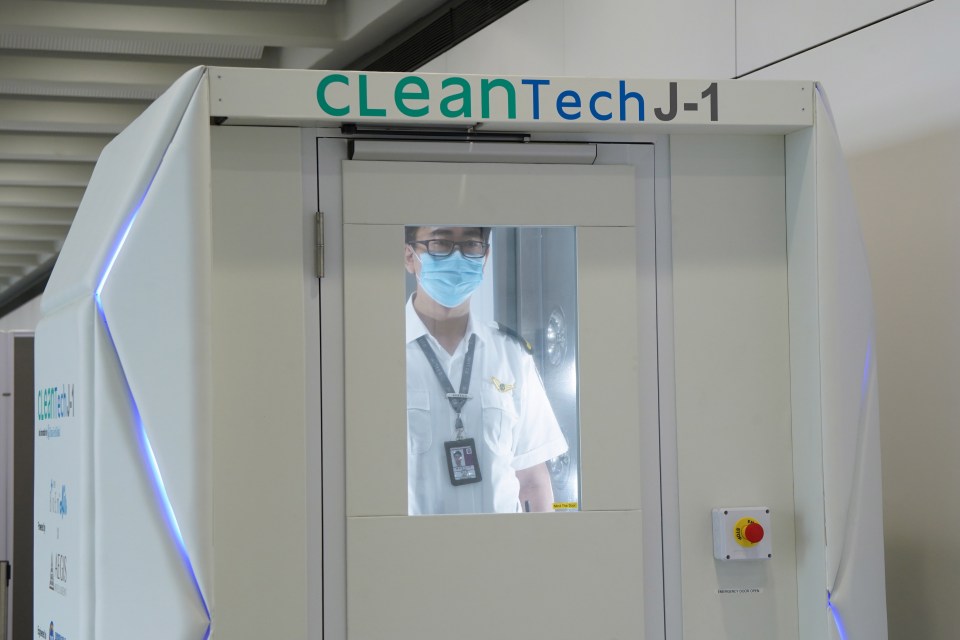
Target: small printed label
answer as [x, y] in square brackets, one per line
[743, 591]
[565, 505]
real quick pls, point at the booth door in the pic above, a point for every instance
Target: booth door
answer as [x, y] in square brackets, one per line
[576, 571]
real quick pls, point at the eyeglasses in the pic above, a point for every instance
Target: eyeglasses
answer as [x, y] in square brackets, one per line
[443, 248]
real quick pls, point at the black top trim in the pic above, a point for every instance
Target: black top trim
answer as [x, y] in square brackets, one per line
[434, 35]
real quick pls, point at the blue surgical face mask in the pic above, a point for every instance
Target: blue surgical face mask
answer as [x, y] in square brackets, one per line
[450, 280]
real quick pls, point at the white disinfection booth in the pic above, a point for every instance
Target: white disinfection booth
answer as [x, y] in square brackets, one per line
[349, 355]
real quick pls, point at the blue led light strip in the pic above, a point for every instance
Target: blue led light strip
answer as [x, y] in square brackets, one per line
[836, 618]
[145, 448]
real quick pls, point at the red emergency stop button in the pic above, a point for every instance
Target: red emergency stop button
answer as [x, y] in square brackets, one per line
[747, 532]
[753, 532]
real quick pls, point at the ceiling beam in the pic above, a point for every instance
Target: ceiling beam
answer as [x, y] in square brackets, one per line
[37, 215]
[50, 147]
[42, 247]
[32, 232]
[66, 116]
[266, 25]
[59, 197]
[12, 272]
[19, 260]
[22, 74]
[45, 174]
[67, 69]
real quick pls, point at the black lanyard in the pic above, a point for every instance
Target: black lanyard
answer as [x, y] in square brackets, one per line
[455, 399]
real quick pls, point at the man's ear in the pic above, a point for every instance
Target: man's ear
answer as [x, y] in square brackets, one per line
[409, 258]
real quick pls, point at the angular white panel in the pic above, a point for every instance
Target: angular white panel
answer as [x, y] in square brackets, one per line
[853, 506]
[119, 181]
[769, 31]
[155, 301]
[140, 576]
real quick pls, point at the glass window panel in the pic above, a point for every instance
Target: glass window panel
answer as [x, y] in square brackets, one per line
[491, 348]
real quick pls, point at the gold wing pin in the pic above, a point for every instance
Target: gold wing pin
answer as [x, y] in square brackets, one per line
[501, 386]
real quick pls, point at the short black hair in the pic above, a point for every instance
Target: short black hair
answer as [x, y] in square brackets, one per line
[410, 233]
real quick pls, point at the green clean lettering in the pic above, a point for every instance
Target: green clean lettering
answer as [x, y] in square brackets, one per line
[322, 94]
[365, 109]
[487, 85]
[401, 95]
[462, 96]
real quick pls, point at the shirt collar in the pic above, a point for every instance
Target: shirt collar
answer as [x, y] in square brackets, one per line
[416, 328]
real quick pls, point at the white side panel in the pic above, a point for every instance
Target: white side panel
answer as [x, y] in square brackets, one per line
[260, 420]
[851, 460]
[155, 302]
[64, 466]
[732, 378]
[120, 180]
[805, 382]
[770, 31]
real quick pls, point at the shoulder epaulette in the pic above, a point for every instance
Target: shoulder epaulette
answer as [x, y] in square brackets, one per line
[507, 331]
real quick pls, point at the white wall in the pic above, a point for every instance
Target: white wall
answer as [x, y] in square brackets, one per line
[768, 31]
[896, 101]
[23, 318]
[628, 38]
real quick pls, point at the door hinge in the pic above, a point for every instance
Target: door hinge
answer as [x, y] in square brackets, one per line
[319, 254]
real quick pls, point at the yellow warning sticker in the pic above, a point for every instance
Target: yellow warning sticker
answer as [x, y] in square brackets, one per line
[565, 505]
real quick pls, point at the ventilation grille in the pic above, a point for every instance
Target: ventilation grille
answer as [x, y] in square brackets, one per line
[79, 44]
[80, 90]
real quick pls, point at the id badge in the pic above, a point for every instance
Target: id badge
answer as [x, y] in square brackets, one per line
[462, 461]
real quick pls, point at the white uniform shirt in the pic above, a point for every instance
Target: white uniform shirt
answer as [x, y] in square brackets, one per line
[512, 425]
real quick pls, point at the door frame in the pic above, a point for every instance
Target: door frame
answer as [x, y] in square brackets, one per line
[323, 148]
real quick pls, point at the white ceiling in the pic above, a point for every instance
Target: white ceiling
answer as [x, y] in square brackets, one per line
[74, 73]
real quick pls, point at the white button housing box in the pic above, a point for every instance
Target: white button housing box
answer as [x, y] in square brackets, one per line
[725, 545]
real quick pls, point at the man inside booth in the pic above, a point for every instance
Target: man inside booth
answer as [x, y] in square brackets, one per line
[480, 427]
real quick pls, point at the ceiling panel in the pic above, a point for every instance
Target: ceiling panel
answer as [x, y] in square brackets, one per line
[74, 73]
